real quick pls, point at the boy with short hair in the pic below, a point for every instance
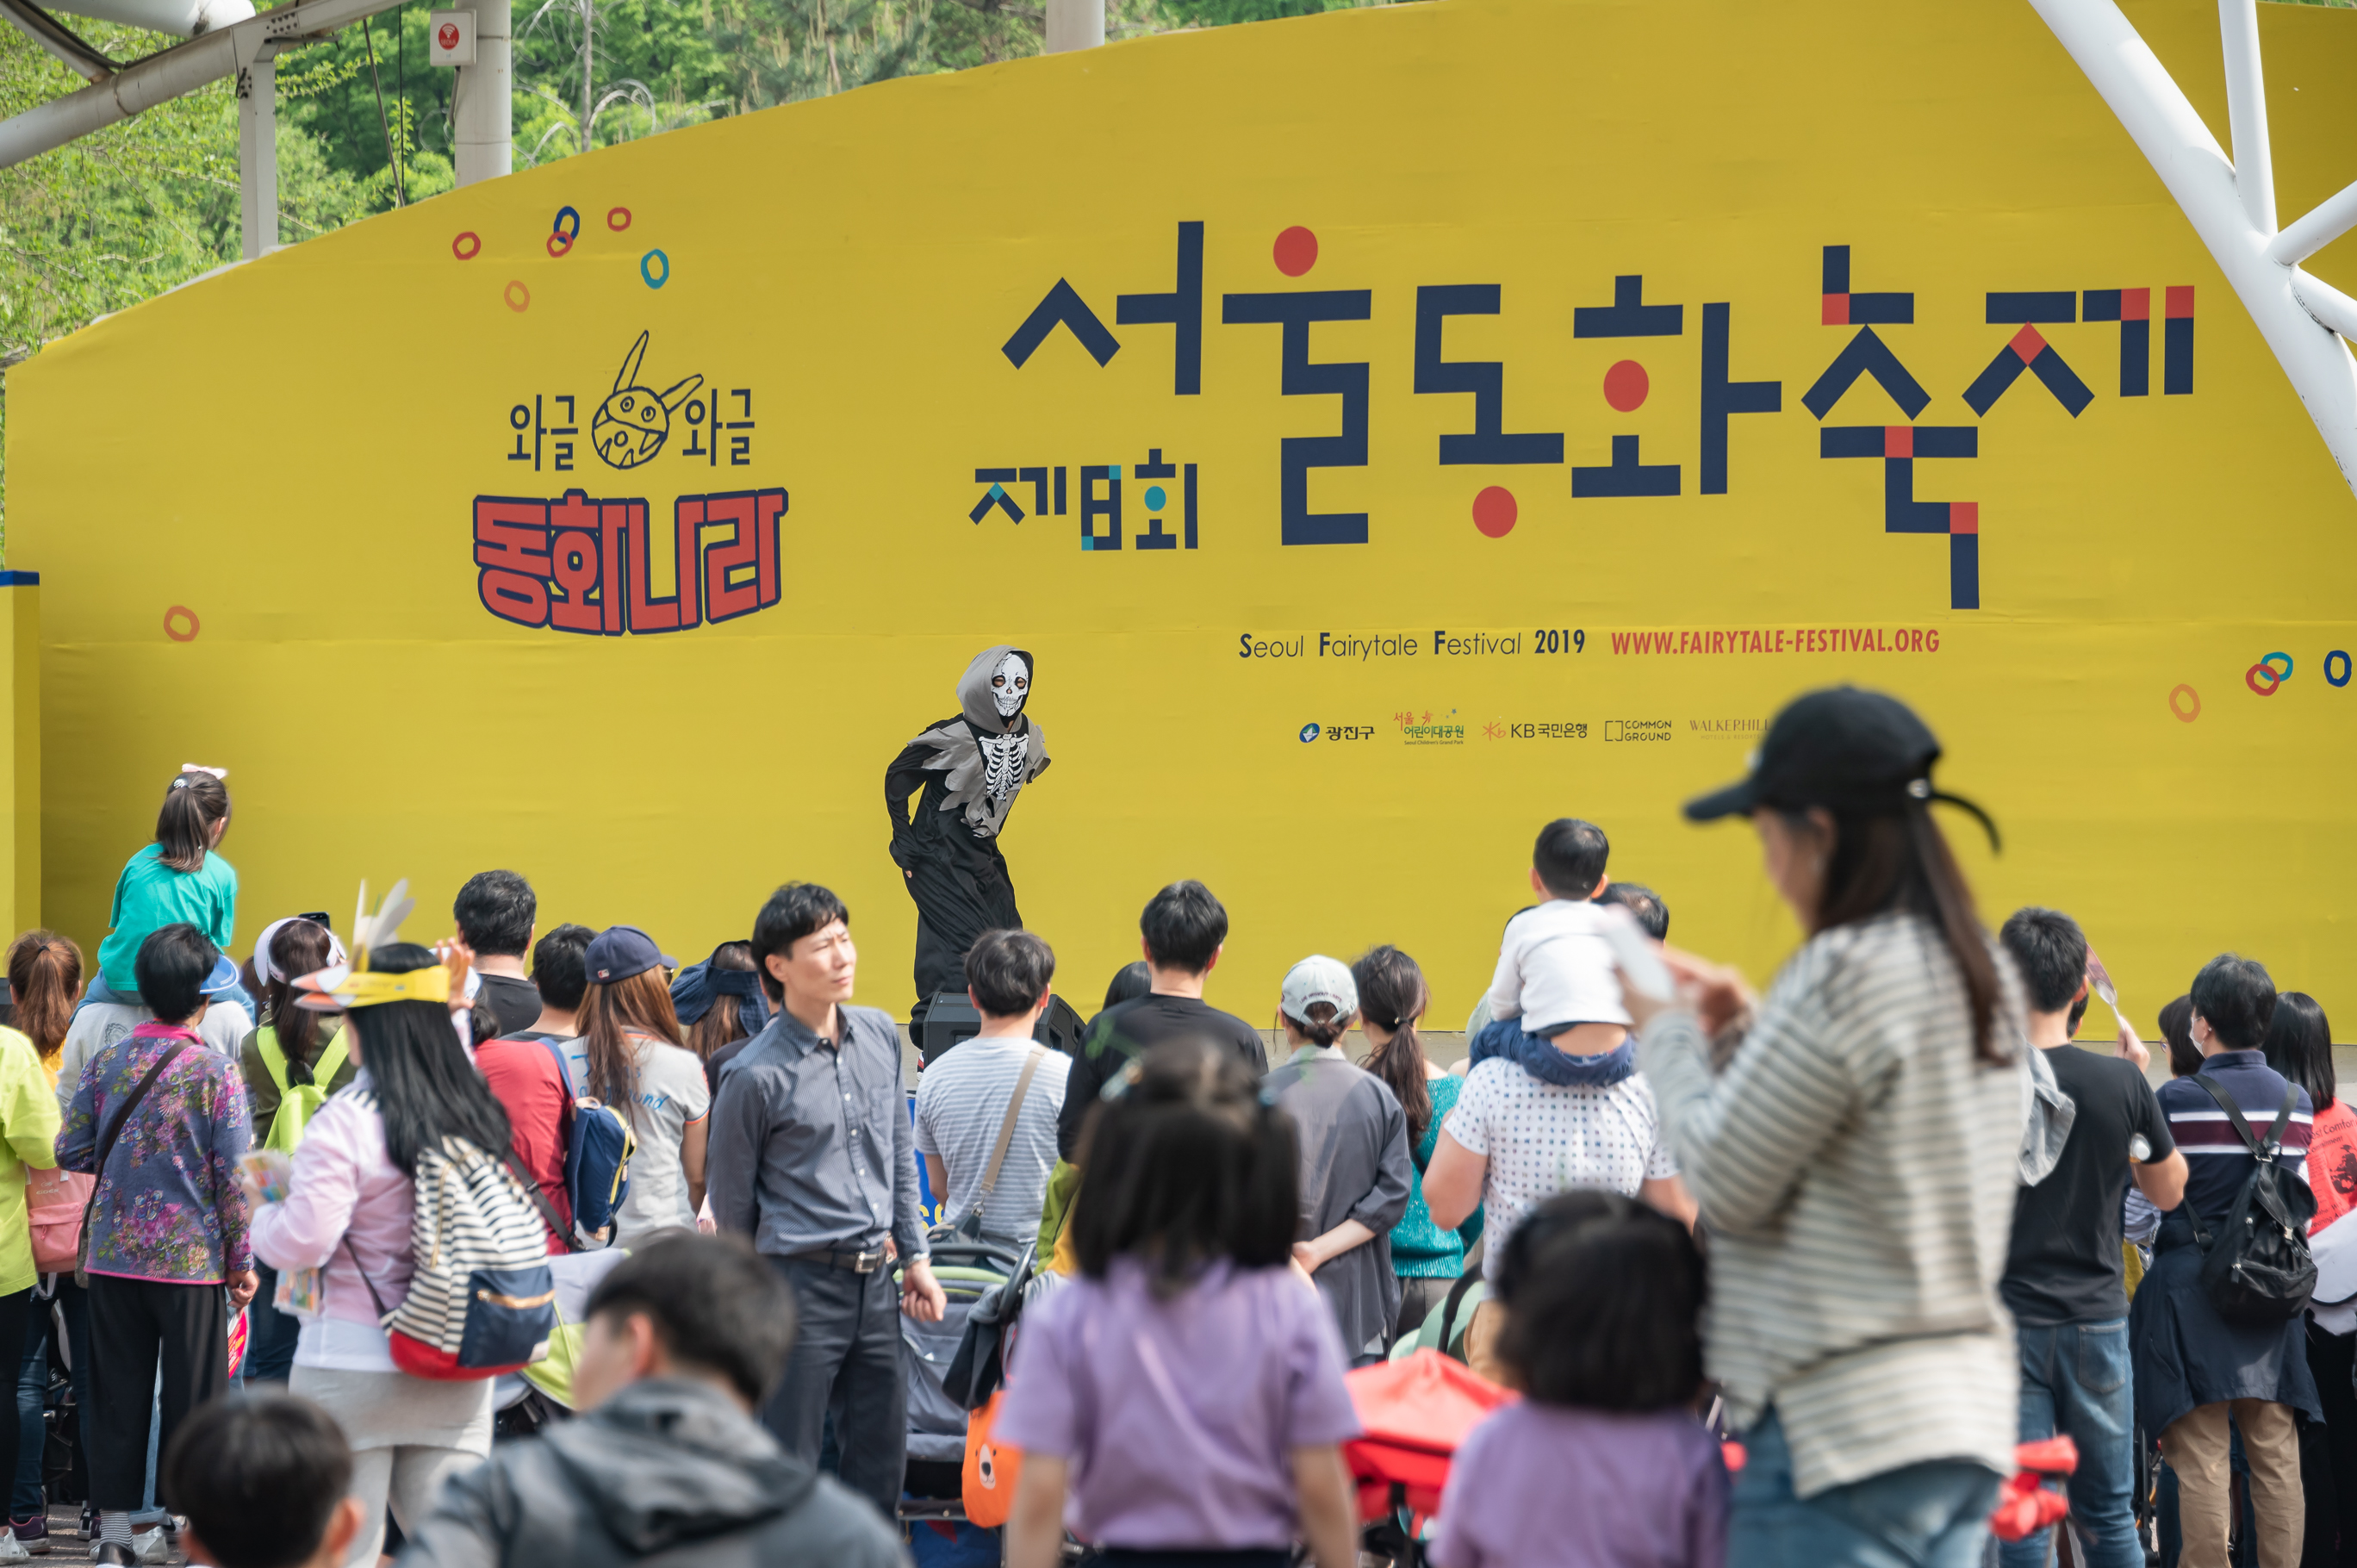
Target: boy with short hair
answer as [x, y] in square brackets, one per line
[266, 1480]
[495, 911]
[531, 1081]
[667, 1465]
[1557, 978]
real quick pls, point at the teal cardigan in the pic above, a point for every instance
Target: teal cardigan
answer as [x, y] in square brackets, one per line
[1421, 1250]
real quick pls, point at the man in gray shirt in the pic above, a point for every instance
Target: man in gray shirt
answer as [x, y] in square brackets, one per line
[813, 1157]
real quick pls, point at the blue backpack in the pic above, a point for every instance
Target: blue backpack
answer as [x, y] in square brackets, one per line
[598, 1149]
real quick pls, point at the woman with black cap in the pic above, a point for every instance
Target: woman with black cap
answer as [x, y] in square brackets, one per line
[1855, 1161]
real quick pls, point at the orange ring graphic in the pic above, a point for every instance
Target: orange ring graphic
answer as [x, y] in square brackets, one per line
[621, 212]
[519, 297]
[469, 238]
[2181, 716]
[194, 625]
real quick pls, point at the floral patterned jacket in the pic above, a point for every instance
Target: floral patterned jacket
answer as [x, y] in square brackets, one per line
[169, 1206]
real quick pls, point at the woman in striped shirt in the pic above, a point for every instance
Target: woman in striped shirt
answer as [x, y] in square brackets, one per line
[1855, 1161]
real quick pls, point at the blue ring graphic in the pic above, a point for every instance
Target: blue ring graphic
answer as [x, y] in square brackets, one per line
[652, 280]
[2270, 660]
[2329, 658]
[1309, 732]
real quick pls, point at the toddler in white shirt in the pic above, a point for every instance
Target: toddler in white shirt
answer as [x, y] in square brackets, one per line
[1554, 968]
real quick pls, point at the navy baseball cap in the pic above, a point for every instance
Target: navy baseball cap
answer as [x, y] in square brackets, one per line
[619, 952]
[1844, 749]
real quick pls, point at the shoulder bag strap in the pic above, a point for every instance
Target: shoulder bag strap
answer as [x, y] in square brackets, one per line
[2234, 1114]
[1006, 1129]
[565, 1078]
[106, 1148]
[2283, 1119]
[557, 1227]
[379, 1301]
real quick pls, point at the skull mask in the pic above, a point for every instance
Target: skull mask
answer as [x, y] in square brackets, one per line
[1009, 685]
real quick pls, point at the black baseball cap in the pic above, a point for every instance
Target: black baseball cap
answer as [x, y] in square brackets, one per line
[619, 952]
[1843, 750]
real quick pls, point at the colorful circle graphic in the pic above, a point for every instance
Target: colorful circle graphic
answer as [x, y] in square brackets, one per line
[519, 297]
[646, 268]
[180, 613]
[1625, 386]
[2343, 657]
[618, 218]
[2189, 693]
[1296, 251]
[467, 246]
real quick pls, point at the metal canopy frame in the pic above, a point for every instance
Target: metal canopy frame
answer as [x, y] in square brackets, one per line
[2231, 201]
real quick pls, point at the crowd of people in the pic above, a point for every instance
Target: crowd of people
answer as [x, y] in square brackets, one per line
[1779, 1278]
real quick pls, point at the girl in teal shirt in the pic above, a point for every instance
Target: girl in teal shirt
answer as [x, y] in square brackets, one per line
[1391, 997]
[179, 877]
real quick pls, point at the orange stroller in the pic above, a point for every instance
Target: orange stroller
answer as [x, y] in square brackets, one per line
[1414, 1413]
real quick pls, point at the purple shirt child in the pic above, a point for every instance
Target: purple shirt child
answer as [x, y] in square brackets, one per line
[1538, 1483]
[1179, 1417]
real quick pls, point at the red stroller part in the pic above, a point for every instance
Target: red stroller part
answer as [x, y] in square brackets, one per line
[2025, 1504]
[1416, 1412]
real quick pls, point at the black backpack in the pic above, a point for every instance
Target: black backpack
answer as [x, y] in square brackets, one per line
[2257, 1270]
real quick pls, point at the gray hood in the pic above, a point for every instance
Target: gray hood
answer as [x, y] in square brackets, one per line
[974, 689]
[670, 1461]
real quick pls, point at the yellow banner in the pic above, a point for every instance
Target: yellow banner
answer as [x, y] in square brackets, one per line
[1383, 432]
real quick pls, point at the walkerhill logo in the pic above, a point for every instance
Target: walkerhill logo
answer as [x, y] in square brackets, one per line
[1728, 729]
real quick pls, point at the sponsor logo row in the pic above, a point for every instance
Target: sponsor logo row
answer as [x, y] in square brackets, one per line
[1426, 727]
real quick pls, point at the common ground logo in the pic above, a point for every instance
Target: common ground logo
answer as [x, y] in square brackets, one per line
[1638, 730]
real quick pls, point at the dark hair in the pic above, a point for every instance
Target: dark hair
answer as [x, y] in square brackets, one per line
[794, 912]
[714, 1304]
[1653, 915]
[1184, 926]
[1569, 857]
[1009, 972]
[300, 947]
[724, 1020]
[1187, 1164]
[495, 911]
[184, 828]
[2237, 997]
[1132, 980]
[2300, 1047]
[1322, 1028]
[2050, 952]
[2177, 1028]
[1603, 1297]
[1885, 863]
[639, 1002]
[44, 980]
[259, 1476]
[427, 1090]
[560, 966]
[1392, 996]
[171, 969]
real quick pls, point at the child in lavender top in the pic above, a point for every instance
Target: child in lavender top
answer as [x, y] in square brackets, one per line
[1603, 1464]
[1182, 1401]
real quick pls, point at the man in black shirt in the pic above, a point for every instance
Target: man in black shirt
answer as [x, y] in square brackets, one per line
[495, 911]
[1182, 932]
[2064, 1281]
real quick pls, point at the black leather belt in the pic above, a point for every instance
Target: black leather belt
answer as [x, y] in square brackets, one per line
[857, 1263]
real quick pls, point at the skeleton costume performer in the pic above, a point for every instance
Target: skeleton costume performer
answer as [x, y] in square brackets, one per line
[971, 767]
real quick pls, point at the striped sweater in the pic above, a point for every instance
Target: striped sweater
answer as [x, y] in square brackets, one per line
[1856, 1167]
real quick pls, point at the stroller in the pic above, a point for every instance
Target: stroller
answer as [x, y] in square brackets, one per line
[969, 1273]
[1415, 1410]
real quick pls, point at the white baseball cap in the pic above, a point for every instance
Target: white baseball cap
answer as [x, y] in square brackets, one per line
[1319, 979]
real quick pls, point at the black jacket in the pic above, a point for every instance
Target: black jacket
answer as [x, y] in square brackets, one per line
[667, 1471]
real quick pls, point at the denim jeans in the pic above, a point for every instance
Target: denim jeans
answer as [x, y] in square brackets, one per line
[1932, 1515]
[2076, 1381]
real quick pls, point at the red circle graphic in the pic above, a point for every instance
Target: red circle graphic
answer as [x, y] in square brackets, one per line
[1494, 511]
[1625, 386]
[1296, 251]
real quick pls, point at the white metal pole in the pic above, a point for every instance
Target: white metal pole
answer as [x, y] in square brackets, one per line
[2156, 115]
[483, 99]
[2246, 111]
[257, 156]
[1075, 25]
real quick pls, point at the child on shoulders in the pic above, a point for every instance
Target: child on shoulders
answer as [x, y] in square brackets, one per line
[1557, 993]
[1603, 1463]
[180, 878]
[1181, 1401]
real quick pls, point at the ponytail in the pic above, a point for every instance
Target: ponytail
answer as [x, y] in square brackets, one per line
[194, 803]
[298, 947]
[45, 976]
[1392, 996]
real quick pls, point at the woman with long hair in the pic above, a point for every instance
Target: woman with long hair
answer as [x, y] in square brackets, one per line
[1392, 999]
[719, 1003]
[2299, 1045]
[1857, 1160]
[630, 1057]
[44, 982]
[347, 1211]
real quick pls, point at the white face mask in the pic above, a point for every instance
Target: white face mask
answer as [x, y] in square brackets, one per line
[1009, 683]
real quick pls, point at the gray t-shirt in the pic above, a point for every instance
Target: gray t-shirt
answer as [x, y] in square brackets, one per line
[672, 1094]
[1354, 1165]
[961, 1102]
